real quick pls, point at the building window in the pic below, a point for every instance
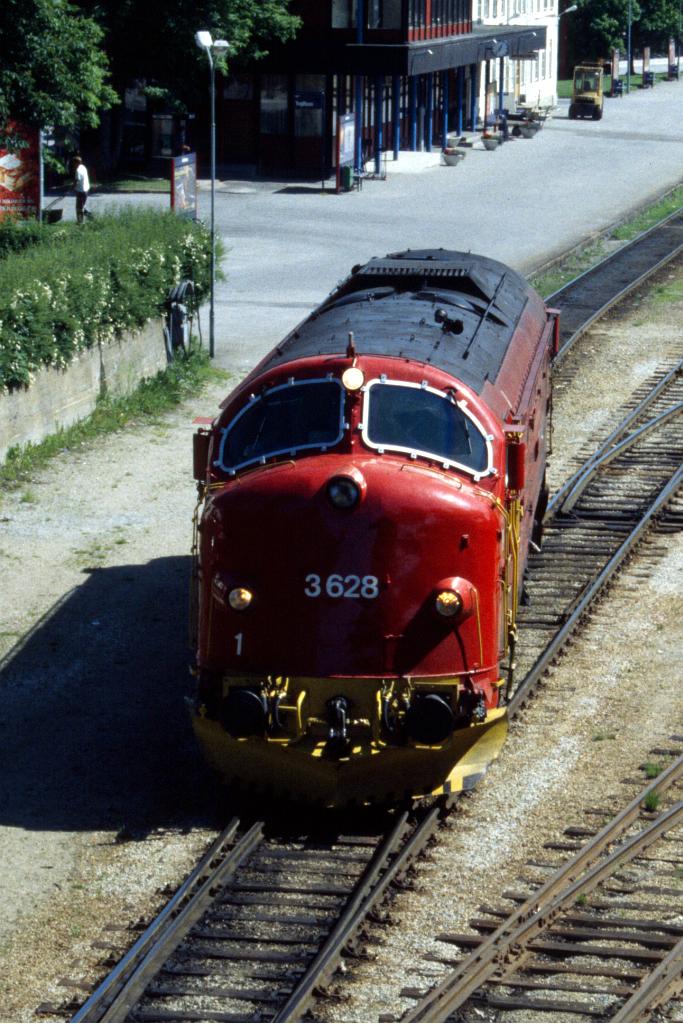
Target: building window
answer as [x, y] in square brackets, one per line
[343, 13]
[162, 135]
[274, 104]
[417, 14]
[308, 105]
[379, 13]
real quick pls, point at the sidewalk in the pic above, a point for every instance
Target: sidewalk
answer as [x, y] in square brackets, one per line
[289, 243]
[525, 203]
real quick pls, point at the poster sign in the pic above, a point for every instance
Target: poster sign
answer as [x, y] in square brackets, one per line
[19, 171]
[646, 59]
[184, 185]
[615, 65]
[672, 51]
[346, 143]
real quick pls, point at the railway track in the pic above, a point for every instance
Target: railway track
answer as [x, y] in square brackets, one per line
[586, 298]
[596, 519]
[260, 927]
[601, 938]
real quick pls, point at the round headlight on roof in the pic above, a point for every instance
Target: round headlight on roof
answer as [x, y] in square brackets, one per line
[353, 378]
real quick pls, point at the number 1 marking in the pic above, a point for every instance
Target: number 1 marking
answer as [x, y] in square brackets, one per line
[239, 638]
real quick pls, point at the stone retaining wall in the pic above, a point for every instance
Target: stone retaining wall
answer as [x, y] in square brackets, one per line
[58, 398]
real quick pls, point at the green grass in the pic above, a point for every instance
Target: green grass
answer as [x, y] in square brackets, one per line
[564, 85]
[652, 770]
[598, 737]
[650, 216]
[652, 801]
[149, 401]
[551, 280]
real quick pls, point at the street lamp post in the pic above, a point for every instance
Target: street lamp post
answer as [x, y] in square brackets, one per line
[219, 48]
[628, 48]
[568, 10]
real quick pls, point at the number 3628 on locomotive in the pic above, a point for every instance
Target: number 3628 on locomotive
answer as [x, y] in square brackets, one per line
[368, 497]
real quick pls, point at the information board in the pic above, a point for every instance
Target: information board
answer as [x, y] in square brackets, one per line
[184, 185]
[346, 143]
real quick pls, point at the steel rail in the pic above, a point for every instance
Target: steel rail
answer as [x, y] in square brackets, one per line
[119, 992]
[567, 496]
[489, 958]
[555, 299]
[587, 596]
[661, 984]
[111, 984]
[615, 436]
[367, 893]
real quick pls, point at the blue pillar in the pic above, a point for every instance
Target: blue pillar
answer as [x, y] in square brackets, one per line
[358, 111]
[474, 95]
[461, 100]
[501, 82]
[444, 108]
[430, 112]
[358, 103]
[487, 82]
[379, 126]
[396, 112]
[413, 112]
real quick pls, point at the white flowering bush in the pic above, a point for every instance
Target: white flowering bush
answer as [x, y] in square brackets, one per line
[87, 283]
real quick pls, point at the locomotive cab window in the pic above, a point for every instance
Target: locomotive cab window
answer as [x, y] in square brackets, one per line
[283, 420]
[419, 420]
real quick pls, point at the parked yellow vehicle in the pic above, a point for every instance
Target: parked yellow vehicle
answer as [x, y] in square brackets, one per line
[587, 96]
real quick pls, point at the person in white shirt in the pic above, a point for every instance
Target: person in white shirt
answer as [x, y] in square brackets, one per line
[81, 186]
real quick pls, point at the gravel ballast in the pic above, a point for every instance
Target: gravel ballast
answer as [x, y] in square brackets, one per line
[106, 803]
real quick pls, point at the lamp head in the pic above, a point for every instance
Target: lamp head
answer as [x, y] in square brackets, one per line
[203, 39]
[220, 47]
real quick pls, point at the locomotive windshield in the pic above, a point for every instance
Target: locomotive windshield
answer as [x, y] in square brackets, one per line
[285, 419]
[420, 420]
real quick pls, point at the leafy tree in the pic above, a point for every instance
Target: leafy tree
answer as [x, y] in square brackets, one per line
[53, 70]
[598, 26]
[154, 40]
[659, 19]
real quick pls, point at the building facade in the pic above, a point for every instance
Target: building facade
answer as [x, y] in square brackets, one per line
[411, 72]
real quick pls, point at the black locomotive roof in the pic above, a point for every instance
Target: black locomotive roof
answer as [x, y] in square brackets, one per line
[457, 311]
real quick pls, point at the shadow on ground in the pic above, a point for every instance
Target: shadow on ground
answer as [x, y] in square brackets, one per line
[94, 733]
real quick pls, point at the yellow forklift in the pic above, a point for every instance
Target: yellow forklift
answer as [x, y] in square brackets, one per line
[587, 97]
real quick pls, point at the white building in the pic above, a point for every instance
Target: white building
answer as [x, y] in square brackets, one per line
[530, 80]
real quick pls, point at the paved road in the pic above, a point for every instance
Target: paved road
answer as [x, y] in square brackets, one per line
[524, 203]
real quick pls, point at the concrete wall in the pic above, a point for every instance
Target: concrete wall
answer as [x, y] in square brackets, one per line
[58, 398]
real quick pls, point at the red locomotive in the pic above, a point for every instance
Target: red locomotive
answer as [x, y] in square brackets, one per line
[370, 492]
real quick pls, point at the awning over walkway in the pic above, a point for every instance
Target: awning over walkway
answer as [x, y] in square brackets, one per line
[486, 42]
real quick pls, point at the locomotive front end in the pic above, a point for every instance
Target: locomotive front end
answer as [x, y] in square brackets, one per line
[351, 613]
